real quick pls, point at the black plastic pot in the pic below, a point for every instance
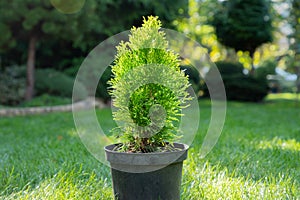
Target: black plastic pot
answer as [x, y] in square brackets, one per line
[146, 176]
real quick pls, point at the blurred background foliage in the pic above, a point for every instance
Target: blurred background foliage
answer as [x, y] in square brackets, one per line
[255, 43]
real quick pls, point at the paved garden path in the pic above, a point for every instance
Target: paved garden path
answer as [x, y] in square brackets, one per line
[85, 104]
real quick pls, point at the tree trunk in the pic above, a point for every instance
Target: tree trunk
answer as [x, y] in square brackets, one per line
[30, 68]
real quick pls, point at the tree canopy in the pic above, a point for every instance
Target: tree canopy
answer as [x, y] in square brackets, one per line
[243, 24]
[31, 25]
[295, 19]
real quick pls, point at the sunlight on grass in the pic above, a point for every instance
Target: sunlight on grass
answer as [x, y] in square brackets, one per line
[76, 184]
[205, 181]
[282, 96]
[72, 132]
[256, 157]
[290, 144]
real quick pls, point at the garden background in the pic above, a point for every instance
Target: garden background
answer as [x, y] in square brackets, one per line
[254, 43]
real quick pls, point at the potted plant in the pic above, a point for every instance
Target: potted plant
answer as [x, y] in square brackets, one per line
[149, 92]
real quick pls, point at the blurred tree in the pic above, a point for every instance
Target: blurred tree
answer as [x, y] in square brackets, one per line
[243, 25]
[196, 26]
[38, 24]
[33, 21]
[295, 22]
[120, 15]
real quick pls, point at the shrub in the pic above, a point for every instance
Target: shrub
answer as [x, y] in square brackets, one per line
[266, 68]
[229, 68]
[49, 81]
[101, 91]
[238, 86]
[71, 71]
[46, 100]
[12, 85]
[245, 88]
[148, 90]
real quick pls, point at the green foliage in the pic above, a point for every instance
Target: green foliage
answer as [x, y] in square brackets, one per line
[71, 71]
[266, 68]
[130, 13]
[47, 100]
[12, 85]
[49, 81]
[42, 20]
[245, 88]
[102, 88]
[194, 77]
[229, 68]
[243, 25]
[294, 21]
[65, 36]
[148, 89]
[238, 86]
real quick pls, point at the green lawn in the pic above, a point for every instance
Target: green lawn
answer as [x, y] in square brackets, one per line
[256, 157]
